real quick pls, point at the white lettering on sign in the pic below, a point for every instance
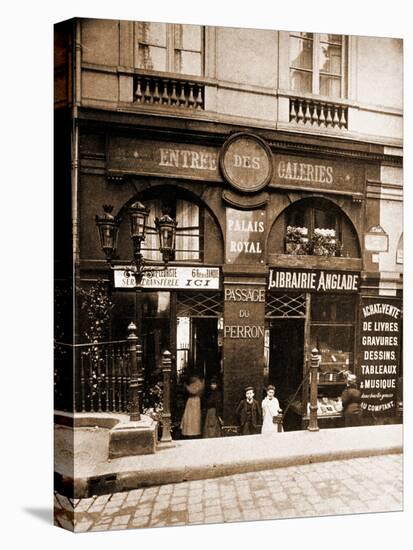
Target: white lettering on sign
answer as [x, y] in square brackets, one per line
[184, 158]
[386, 309]
[319, 281]
[245, 295]
[207, 278]
[243, 331]
[247, 161]
[249, 247]
[246, 226]
[245, 233]
[337, 281]
[301, 171]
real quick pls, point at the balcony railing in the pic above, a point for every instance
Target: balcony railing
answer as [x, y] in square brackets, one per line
[308, 112]
[165, 91]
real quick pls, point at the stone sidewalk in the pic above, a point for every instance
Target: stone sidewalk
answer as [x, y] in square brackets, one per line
[206, 458]
[368, 484]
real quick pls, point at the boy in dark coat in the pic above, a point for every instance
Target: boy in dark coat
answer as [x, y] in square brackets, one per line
[249, 413]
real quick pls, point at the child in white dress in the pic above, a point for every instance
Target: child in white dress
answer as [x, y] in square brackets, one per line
[270, 408]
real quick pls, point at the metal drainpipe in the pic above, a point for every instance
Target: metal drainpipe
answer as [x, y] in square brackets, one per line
[76, 73]
[75, 148]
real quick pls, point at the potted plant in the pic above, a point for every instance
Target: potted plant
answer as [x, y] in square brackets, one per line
[296, 240]
[324, 243]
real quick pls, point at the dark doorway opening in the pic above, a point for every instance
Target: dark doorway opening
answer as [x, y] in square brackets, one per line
[286, 364]
[205, 353]
[197, 352]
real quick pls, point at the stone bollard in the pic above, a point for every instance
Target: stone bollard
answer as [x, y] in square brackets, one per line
[314, 364]
[134, 408]
[166, 413]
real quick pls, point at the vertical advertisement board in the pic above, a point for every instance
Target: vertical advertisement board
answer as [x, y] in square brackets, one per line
[380, 341]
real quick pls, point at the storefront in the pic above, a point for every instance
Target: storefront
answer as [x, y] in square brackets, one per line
[269, 264]
[307, 309]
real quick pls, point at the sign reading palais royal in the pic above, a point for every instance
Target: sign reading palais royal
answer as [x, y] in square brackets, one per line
[172, 278]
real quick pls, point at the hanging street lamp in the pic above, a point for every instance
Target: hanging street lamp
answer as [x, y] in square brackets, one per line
[108, 227]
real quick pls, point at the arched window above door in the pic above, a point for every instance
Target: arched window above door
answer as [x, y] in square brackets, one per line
[194, 221]
[314, 226]
[189, 230]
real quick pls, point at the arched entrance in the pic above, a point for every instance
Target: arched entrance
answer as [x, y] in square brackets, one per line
[179, 310]
[313, 247]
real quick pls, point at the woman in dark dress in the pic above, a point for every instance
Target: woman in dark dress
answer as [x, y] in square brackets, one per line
[351, 400]
[213, 411]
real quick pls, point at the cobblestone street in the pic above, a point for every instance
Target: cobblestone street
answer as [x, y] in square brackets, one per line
[372, 484]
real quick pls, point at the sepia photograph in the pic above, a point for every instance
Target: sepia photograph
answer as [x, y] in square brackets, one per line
[228, 273]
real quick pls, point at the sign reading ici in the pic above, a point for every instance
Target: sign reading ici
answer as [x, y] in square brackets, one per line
[172, 278]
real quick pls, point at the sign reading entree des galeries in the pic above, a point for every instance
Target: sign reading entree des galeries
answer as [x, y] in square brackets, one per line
[313, 280]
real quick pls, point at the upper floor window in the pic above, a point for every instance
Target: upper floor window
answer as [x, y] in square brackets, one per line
[170, 47]
[317, 64]
[189, 231]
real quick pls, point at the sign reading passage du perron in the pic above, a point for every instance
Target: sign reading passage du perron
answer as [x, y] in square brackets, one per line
[379, 354]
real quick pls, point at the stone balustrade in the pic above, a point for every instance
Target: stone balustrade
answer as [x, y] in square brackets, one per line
[165, 91]
[309, 112]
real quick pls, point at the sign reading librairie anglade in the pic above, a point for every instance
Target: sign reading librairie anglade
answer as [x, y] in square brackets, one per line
[379, 354]
[313, 280]
[172, 278]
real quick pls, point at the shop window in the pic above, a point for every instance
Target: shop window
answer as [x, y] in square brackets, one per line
[170, 47]
[314, 227]
[189, 235]
[332, 333]
[317, 64]
[333, 309]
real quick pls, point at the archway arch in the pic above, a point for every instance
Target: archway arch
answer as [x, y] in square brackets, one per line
[199, 237]
[314, 213]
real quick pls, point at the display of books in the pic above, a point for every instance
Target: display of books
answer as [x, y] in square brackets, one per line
[327, 406]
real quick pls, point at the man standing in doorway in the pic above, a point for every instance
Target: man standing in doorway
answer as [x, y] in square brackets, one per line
[249, 413]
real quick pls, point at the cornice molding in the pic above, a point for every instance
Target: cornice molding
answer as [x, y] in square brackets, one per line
[213, 133]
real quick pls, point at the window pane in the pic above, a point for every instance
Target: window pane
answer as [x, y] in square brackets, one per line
[303, 34]
[152, 58]
[187, 233]
[150, 246]
[300, 81]
[301, 53]
[335, 345]
[333, 309]
[324, 219]
[188, 62]
[332, 38]
[330, 59]
[188, 37]
[152, 33]
[188, 237]
[330, 86]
